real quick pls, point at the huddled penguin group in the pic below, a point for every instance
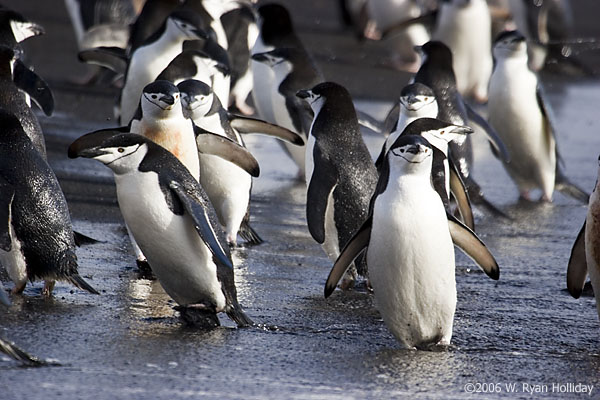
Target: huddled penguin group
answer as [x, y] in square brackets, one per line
[184, 175]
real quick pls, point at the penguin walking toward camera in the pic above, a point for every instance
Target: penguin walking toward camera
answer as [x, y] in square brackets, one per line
[340, 173]
[160, 118]
[465, 26]
[150, 59]
[585, 254]
[518, 111]
[173, 222]
[436, 72]
[409, 240]
[36, 236]
[294, 70]
[228, 186]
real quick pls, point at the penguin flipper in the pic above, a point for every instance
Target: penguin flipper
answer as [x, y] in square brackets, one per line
[351, 250]
[461, 196]
[227, 149]
[566, 187]
[253, 125]
[68, 267]
[34, 86]
[369, 122]
[317, 196]
[113, 58]
[7, 193]
[202, 223]
[11, 350]
[466, 240]
[577, 267]
[390, 123]
[498, 147]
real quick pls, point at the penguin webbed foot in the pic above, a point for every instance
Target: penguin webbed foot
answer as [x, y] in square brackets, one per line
[199, 316]
[144, 270]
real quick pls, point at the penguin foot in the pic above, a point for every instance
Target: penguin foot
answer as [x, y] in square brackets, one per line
[48, 288]
[18, 289]
[144, 270]
[199, 315]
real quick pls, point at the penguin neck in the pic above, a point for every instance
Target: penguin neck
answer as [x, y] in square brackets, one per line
[407, 174]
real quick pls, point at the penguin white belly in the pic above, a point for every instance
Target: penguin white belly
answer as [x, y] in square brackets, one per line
[263, 77]
[228, 187]
[411, 264]
[179, 258]
[145, 66]
[331, 245]
[309, 164]
[514, 113]
[467, 31]
[14, 260]
[592, 244]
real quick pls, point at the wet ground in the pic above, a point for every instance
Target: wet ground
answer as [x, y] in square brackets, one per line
[510, 335]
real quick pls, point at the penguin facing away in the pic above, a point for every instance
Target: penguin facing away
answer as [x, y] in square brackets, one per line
[172, 221]
[585, 254]
[340, 173]
[408, 237]
[519, 113]
[36, 236]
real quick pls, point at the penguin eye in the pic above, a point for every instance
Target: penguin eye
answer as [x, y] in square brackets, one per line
[176, 96]
[425, 98]
[401, 150]
[121, 150]
[154, 96]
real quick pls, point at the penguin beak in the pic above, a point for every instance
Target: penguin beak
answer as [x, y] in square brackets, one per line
[260, 57]
[462, 130]
[170, 100]
[304, 94]
[201, 33]
[414, 149]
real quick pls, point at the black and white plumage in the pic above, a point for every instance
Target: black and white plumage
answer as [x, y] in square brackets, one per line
[36, 236]
[293, 70]
[436, 72]
[227, 185]
[408, 237]
[172, 221]
[14, 28]
[150, 59]
[519, 112]
[340, 173]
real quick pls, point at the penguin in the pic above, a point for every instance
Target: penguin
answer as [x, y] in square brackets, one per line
[518, 111]
[437, 73]
[211, 12]
[438, 133]
[14, 100]
[340, 173]
[409, 240]
[275, 30]
[585, 258]
[172, 220]
[294, 70]
[242, 32]
[160, 118]
[227, 185]
[150, 19]
[465, 26]
[36, 236]
[149, 60]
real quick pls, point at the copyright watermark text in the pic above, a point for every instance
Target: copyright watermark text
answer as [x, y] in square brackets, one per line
[527, 387]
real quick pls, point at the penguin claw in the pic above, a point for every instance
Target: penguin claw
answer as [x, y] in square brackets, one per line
[48, 288]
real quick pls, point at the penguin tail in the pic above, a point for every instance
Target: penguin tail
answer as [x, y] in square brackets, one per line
[11, 350]
[563, 185]
[238, 316]
[78, 281]
[247, 233]
[81, 239]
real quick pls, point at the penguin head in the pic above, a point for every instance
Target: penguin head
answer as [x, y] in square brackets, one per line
[196, 98]
[328, 92]
[437, 132]
[410, 154]
[122, 152]
[20, 27]
[186, 24]
[274, 57]
[160, 98]
[510, 44]
[435, 52]
[211, 53]
[415, 96]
